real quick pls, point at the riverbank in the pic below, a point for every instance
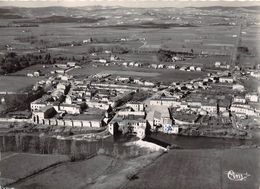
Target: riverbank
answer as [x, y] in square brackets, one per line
[217, 133]
[101, 171]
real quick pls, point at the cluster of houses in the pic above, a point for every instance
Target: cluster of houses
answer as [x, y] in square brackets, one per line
[72, 102]
[63, 68]
[88, 102]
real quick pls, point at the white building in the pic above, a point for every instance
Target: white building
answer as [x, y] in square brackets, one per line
[226, 80]
[239, 99]
[217, 64]
[242, 109]
[252, 97]
[198, 69]
[136, 106]
[238, 87]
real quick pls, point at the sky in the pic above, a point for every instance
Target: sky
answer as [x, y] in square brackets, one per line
[128, 3]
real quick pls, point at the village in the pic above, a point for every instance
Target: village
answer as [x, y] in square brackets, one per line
[215, 105]
[131, 95]
[137, 83]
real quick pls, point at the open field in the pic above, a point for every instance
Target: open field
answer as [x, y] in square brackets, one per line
[16, 83]
[44, 70]
[69, 175]
[201, 38]
[15, 166]
[133, 73]
[163, 75]
[201, 169]
[251, 38]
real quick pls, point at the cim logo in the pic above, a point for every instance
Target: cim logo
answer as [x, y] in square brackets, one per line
[235, 176]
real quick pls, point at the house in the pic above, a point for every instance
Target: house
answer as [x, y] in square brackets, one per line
[161, 66]
[251, 97]
[217, 64]
[255, 74]
[227, 66]
[136, 106]
[198, 69]
[63, 66]
[148, 83]
[114, 57]
[183, 68]
[155, 66]
[68, 99]
[36, 74]
[239, 99]
[62, 86]
[71, 64]
[242, 109]
[139, 81]
[43, 113]
[189, 86]
[107, 51]
[137, 64]
[124, 63]
[192, 68]
[37, 104]
[60, 71]
[119, 78]
[171, 67]
[165, 102]
[128, 113]
[226, 80]
[103, 61]
[131, 64]
[210, 106]
[176, 58]
[157, 117]
[238, 87]
[134, 125]
[87, 40]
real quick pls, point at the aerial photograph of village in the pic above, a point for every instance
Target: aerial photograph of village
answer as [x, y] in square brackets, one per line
[126, 95]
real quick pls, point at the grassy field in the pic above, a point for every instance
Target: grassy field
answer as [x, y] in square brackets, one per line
[44, 70]
[200, 169]
[200, 38]
[71, 175]
[163, 75]
[16, 83]
[19, 165]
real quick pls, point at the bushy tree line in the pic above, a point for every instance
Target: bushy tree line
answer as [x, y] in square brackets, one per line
[12, 62]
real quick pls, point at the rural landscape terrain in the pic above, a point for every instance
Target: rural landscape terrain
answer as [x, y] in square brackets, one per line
[106, 97]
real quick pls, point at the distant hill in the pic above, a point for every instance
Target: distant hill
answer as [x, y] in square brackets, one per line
[227, 8]
[142, 25]
[64, 19]
[116, 15]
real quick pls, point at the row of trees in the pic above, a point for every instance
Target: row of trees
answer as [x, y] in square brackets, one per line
[114, 49]
[12, 62]
[166, 55]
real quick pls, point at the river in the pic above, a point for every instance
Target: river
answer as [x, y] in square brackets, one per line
[189, 142]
